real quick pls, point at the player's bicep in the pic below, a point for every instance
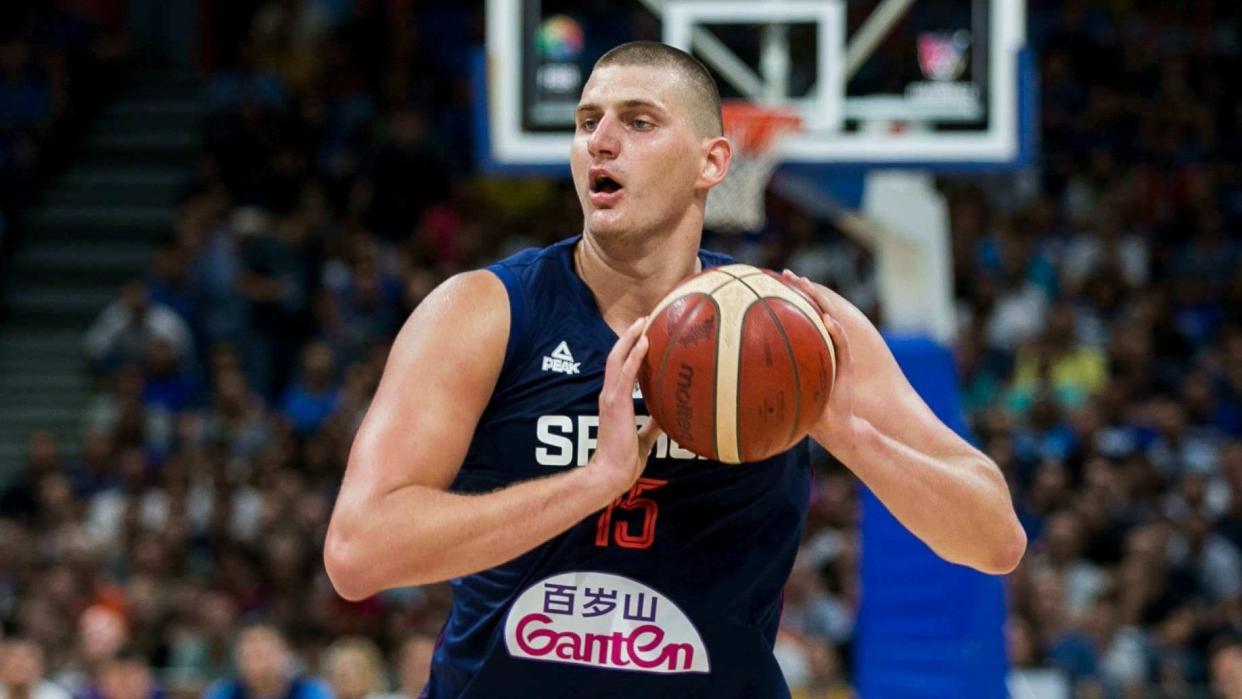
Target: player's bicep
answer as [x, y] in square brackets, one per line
[440, 374]
[882, 393]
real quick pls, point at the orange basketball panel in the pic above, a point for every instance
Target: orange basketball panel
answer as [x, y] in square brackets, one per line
[767, 397]
[813, 359]
[678, 377]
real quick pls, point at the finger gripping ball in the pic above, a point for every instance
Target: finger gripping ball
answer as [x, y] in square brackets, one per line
[739, 364]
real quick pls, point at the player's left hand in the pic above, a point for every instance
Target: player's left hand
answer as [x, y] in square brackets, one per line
[836, 427]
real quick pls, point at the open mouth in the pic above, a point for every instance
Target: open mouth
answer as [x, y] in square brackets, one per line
[604, 184]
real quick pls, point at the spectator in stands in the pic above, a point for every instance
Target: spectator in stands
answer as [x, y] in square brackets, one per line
[170, 386]
[811, 665]
[1058, 363]
[316, 395]
[170, 284]
[809, 611]
[126, 676]
[102, 633]
[21, 500]
[1030, 675]
[354, 669]
[1226, 667]
[1062, 553]
[414, 665]
[21, 672]
[287, 36]
[1214, 560]
[126, 328]
[236, 417]
[93, 470]
[266, 670]
[202, 651]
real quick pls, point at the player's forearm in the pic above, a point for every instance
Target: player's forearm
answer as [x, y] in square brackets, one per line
[958, 506]
[418, 534]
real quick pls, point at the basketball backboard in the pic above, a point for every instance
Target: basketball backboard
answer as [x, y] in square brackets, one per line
[940, 84]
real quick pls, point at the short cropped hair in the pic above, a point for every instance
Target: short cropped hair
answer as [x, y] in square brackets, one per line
[705, 96]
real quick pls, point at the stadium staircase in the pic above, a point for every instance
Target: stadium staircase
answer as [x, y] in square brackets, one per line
[94, 226]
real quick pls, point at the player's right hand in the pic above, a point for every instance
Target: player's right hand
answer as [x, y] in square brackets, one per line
[621, 451]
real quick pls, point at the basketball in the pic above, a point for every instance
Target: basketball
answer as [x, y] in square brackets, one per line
[739, 365]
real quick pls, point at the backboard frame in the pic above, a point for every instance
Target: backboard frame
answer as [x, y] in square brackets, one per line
[504, 147]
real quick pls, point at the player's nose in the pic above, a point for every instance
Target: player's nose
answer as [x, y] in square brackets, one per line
[605, 140]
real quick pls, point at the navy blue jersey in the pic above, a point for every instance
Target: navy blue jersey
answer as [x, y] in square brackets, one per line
[672, 591]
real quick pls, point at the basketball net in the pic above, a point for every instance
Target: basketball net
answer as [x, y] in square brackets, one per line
[736, 204]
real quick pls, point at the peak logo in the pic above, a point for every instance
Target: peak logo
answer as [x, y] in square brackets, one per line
[562, 361]
[605, 621]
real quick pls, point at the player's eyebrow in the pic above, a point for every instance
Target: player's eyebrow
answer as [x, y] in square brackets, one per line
[588, 107]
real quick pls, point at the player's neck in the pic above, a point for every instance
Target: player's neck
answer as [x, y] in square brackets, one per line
[629, 282]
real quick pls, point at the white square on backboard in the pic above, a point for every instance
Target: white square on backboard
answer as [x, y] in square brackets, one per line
[825, 109]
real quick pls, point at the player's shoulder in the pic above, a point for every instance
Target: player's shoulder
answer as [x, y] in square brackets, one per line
[469, 309]
[471, 292]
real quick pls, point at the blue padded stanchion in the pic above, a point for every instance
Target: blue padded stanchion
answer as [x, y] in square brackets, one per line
[927, 629]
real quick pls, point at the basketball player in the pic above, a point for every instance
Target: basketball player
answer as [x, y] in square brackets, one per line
[589, 559]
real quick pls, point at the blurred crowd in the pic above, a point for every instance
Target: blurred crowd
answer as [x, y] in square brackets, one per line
[1100, 350]
[1101, 353]
[57, 60]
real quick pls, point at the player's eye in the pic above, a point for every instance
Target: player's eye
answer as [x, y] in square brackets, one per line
[643, 124]
[587, 124]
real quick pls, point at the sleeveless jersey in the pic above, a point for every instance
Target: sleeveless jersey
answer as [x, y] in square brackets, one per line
[672, 591]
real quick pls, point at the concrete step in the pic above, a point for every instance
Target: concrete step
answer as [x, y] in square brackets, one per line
[139, 91]
[111, 277]
[82, 186]
[92, 229]
[36, 342]
[174, 119]
[15, 347]
[13, 456]
[165, 77]
[72, 383]
[147, 106]
[163, 149]
[18, 400]
[26, 321]
[55, 304]
[102, 222]
[163, 125]
[122, 177]
[13, 449]
[17, 433]
[179, 141]
[87, 257]
[35, 370]
[34, 416]
[68, 196]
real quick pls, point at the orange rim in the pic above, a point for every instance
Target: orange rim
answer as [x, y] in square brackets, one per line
[754, 127]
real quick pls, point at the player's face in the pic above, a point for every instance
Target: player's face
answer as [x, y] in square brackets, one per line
[636, 155]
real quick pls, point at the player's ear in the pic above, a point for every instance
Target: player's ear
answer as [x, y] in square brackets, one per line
[719, 153]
